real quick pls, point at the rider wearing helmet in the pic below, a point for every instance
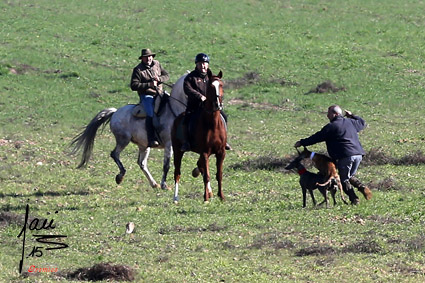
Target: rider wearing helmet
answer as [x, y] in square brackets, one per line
[195, 87]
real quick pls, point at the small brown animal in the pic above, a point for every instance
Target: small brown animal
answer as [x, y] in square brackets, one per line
[326, 167]
[309, 182]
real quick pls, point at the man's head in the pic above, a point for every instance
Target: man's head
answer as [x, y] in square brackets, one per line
[202, 62]
[147, 56]
[334, 111]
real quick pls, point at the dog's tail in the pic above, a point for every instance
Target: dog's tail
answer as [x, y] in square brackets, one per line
[331, 178]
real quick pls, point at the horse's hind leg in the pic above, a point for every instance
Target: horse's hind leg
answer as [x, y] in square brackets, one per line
[115, 154]
[143, 164]
[168, 152]
[219, 175]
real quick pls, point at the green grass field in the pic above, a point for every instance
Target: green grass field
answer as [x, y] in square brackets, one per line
[61, 62]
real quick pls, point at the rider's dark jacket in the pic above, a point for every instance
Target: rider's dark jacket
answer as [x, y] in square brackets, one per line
[341, 137]
[195, 86]
[142, 76]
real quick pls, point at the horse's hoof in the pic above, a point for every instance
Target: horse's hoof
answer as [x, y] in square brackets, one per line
[165, 187]
[196, 172]
[156, 186]
[119, 178]
[176, 200]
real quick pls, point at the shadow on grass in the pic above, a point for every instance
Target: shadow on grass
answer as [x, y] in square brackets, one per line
[47, 193]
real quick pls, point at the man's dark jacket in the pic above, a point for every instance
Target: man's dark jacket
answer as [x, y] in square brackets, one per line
[195, 86]
[341, 137]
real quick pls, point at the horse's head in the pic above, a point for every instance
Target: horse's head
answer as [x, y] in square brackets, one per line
[215, 92]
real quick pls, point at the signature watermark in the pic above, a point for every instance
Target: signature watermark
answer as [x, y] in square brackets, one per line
[50, 241]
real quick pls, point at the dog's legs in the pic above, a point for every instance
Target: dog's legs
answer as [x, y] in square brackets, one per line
[333, 192]
[341, 191]
[304, 196]
[312, 197]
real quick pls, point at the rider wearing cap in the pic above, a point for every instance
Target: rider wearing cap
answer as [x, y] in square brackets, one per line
[195, 87]
[147, 79]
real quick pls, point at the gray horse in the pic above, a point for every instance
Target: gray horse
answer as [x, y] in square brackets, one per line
[127, 128]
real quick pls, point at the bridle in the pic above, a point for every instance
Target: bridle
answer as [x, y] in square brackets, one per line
[217, 104]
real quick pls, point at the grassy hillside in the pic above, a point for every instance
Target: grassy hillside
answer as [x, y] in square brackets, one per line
[61, 62]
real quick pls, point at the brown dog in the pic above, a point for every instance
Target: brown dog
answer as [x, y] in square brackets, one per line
[326, 168]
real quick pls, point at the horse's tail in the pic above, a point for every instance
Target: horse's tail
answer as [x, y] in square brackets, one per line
[85, 139]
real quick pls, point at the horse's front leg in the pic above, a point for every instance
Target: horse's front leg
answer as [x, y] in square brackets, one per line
[168, 152]
[219, 163]
[203, 165]
[178, 155]
[143, 163]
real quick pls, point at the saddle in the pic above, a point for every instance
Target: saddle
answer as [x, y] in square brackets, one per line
[159, 102]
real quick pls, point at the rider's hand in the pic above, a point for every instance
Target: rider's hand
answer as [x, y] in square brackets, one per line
[203, 98]
[297, 144]
[154, 84]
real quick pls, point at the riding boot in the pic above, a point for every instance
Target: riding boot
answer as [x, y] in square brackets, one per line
[228, 147]
[152, 142]
[350, 192]
[362, 188]
[185, 130]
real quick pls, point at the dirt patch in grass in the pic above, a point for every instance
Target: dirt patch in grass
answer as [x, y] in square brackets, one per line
[385, 219]
[271, 240]
[373, 158]
[10, 218]
[365, 246]
[268, 162]
[326, 87]
[250, 78]
[416, 244]
[103, 271]
[405, 269]
[316, 250]
[21, 69]
[386, 184]
[213, 227]
[376, 156]
[263, 106]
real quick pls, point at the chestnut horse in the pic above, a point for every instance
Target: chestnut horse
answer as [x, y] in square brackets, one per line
[209, 138]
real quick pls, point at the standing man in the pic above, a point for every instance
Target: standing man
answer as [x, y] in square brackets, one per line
[147, 79]
[195, 87]
[343, 145]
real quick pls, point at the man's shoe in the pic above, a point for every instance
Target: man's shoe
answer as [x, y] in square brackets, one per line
[366, 192]
[153, 144]
[228, 147]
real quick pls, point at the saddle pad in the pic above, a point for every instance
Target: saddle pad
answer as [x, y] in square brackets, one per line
[139, 111]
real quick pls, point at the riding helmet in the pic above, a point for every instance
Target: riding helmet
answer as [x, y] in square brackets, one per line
[202, 57]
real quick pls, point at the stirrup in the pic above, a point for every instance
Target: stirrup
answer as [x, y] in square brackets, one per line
[228, 147]
[153, 144]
